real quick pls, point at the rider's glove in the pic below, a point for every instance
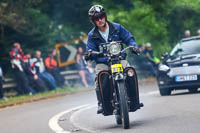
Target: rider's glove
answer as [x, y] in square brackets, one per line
[87, 57]
[136, 50]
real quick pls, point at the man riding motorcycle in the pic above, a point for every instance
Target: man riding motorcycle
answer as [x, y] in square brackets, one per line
[105, 31]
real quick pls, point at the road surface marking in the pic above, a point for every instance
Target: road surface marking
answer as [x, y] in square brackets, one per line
[76, 114]
[53, 122]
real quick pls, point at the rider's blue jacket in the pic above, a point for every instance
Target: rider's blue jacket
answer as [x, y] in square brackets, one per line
[116, 33]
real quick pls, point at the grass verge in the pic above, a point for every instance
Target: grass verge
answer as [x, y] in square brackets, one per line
[17, 100]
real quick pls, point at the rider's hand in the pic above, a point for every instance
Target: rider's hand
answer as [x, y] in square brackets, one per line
[136, 50]
[87, 56]
[35, 76]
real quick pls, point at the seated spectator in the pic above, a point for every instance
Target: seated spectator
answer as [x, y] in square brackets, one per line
[39, 67]
[17, 56]
[1, 85]
[38, 83]
[52, 68]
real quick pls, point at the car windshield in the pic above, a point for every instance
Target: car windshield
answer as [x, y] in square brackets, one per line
[188, 47]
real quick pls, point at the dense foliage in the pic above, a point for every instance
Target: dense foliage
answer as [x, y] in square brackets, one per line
[161, 22]
[39, 24]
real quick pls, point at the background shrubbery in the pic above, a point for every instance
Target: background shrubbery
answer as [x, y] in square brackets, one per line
[39, 24]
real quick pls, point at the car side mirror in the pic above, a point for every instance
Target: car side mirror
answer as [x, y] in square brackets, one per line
[164, 55]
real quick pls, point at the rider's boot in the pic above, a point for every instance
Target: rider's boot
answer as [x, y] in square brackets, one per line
[100, 108]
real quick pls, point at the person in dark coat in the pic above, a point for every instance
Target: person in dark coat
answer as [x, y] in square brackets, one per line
[36, 82]
[1, 85]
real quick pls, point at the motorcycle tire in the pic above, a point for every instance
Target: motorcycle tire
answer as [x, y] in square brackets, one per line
[123, 104]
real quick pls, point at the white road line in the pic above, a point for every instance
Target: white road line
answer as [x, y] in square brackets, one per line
[76, 114]
[53, 122]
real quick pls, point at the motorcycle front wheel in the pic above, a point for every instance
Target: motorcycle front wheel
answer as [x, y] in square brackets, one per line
[124, 113]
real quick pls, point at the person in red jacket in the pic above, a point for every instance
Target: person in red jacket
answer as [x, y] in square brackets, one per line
[17, 62]
[35, 81]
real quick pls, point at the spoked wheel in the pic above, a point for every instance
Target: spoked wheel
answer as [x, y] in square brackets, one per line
[123, 104]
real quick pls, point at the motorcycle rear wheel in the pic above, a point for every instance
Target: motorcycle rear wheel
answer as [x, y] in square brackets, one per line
[124, 113]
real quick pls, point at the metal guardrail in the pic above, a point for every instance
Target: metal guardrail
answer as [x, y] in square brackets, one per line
[71, 75]
[9, 83]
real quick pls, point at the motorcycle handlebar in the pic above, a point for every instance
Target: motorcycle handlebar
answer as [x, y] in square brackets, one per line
[134, 50]
[109, 42]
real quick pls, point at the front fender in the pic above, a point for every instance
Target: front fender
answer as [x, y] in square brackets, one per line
[119, 77]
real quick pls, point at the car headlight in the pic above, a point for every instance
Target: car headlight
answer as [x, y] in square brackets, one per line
[163, 67]
[114, 48]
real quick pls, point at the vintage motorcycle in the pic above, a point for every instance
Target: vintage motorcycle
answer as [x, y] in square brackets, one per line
[118, 85]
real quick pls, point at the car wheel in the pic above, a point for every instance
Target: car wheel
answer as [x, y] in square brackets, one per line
[193, 90]
[165, 92]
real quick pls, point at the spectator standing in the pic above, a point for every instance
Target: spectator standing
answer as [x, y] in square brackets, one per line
[187, 33]
[39, 67]
[17, 63]
[34, 79]
[148, 52]
[81, 66]
[91, 73]
[143, 60]
[52, 68]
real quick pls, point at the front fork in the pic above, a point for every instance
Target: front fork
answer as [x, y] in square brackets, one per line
[116, 99]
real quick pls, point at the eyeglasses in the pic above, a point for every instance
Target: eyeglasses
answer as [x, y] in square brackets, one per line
[99, 17]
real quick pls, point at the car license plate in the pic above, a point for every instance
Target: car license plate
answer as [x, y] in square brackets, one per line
[185, 78]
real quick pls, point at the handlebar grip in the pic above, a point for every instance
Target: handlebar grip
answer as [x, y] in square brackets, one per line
[136, 50]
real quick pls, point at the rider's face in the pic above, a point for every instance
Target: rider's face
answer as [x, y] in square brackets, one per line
[100, 22]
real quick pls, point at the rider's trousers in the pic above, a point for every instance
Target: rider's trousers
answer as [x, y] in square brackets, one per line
[101, 67]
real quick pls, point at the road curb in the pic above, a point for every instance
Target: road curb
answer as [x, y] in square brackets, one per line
[35, 99]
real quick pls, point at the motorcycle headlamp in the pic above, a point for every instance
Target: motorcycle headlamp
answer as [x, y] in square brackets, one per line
[114, 48]
[130, 72]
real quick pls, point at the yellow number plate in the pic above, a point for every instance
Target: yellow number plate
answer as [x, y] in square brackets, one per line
[116, 68]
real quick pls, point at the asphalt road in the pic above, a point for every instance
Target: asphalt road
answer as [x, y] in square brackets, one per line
[178, 113]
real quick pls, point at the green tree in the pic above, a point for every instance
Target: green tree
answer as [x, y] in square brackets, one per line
[40, 24]
[161, 22]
